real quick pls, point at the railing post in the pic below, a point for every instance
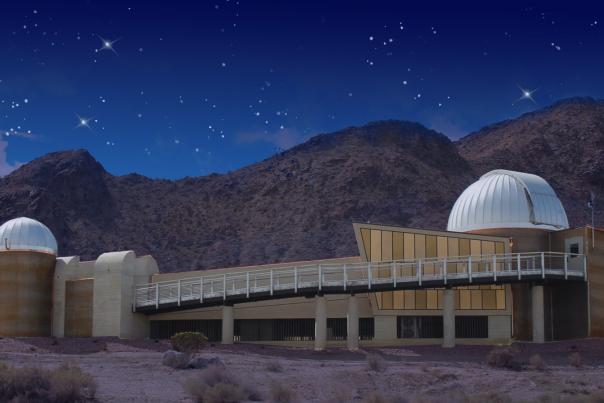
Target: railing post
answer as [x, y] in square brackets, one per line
[320, 277]
[494, 267]
[179, 292]
[542, 264]
[585, 267]
[445, 270]
[247, 284]
[134, 299]
[565, 266]
[296, 280]
[156, 295]
[224, 286]
[271, 281]
[369, 275]
[201, 290]
[394, 273]
[345, 275]
[470, 268]
[419, 271]
[518, 265]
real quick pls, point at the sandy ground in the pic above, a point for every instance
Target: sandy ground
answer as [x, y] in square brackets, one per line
[132, 371]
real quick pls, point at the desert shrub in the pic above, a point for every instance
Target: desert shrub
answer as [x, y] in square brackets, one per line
[378, 397]
[536, 362]
[216, 385]
[575, 360]
[175, 359]
[280, 393]
[64, 384]
[503, 357]
[376, 362]
[274, 366]
[188, 342]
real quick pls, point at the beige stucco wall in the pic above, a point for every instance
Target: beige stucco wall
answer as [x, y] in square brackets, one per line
[114, 275]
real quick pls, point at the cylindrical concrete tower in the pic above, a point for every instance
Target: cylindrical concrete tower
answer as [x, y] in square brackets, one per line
[28, 253]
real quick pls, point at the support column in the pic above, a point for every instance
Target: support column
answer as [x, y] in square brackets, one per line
[352, 323]
[538, 314]
[448, 318]
[228, 324]
[320, 322]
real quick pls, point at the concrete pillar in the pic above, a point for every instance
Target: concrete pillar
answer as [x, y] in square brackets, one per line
[448, 318]
[352, 323]
[538, 314]
[320, 322]
[228, 324]
[385, 329]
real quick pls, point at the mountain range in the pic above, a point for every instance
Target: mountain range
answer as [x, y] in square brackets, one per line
[300, 204]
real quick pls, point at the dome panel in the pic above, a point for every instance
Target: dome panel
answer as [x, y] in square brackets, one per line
[26, 234]
[507, 199]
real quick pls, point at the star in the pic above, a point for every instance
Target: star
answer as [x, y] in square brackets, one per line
[107, 44]
[83, 122]
[526, 94]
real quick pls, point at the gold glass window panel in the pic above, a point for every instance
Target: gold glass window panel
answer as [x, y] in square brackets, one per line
[376, 245]
[441, 246]
[386, 253]
[420, 246]
[453, 250]
[489, 299]
[366, 236]
[430, 252]
[431, 299]
[420, 299]
[500, 299]
[398, 242]
[476, 296]
[387, 298]
[409, 299]
[440, 299]
[398, 299]
[464, 250]
[409, 252]
[475, 251]
[464, 299]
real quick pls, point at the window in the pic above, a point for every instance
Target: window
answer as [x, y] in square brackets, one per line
[574, 249]
[472, 327]
[419, 327]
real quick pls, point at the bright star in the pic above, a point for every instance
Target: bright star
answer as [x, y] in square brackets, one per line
[526, 94]
[107, 44]
[83, 122]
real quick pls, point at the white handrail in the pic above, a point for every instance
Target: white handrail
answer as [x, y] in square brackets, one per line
[352, 275]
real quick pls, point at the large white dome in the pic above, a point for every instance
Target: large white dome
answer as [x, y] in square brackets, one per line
[26, 234]
[508, 199]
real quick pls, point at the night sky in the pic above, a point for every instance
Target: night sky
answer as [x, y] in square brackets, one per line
[172, 89]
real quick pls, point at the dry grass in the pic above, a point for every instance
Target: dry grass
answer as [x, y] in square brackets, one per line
[216, 385]
[536, 362]
[274, 366]
[378, 397]
[64, 384]
[188, 343]
[575, 360]
[376, 362]
[280, 392]
[503, 357]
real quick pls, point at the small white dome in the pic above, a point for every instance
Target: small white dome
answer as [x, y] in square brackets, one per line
[26, 234]
[508, 199]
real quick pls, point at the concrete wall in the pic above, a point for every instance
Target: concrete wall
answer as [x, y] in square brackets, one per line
[114, 275]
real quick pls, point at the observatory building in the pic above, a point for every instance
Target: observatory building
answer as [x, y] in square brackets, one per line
[508, 267]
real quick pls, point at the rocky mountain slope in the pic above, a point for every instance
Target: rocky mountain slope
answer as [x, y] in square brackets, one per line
[300, 204]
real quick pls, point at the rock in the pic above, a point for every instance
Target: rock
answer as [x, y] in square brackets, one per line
[201, 363]
[175, 359]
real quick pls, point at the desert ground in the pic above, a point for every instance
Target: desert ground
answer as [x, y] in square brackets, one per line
[131, 371]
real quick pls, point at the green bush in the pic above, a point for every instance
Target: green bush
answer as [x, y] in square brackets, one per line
[64, 384]
[188, 342]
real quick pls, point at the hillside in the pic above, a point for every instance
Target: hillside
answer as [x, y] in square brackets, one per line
[296, 205]
[300, 204]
